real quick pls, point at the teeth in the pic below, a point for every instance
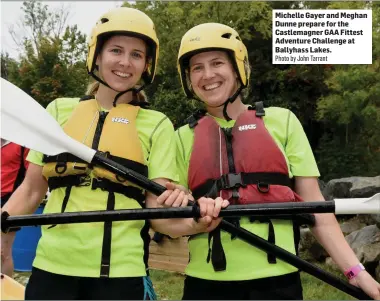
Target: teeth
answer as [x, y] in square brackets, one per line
[121, 74]
[212, 86]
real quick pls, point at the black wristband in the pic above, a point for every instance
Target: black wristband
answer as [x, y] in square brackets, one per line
[4, 229]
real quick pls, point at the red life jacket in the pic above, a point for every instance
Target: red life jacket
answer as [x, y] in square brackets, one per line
[242, 164]
[13, 167]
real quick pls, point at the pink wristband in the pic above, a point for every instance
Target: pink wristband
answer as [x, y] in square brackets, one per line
[354, 271]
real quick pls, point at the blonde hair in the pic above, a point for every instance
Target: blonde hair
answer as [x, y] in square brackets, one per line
[93, 87]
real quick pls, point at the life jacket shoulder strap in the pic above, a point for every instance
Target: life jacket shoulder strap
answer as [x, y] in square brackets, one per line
[141, 104]
[259, 107]
[87, 97]
[192, 120]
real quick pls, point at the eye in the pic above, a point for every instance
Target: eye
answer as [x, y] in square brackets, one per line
[116, 50]
[195, 68]
[136, 54]
[217, 63]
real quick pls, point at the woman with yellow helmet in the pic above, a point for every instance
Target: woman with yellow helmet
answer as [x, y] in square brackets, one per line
[102, 260]
[246, 154]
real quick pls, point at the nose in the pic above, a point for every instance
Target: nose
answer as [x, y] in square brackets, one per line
[125, 61]
[208, 72]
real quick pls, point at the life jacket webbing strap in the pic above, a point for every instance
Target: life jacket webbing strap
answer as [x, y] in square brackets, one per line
[103, 184]
[192, 120]
[74, 180]
[99, 129]
[63, 157]
[242, 179]
[21, 172]
[218, 257]
[128, 191]
[107, 238]
[236, 222]
[231, 163]
[271, 234]
[64, 202]
[216, 252]
[259, 108]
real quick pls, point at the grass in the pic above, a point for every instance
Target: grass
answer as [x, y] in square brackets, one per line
[169, 285]
[315, 289]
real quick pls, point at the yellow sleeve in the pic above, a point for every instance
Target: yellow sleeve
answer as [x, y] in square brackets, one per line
[298, 150]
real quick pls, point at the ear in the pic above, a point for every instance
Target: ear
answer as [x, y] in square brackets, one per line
[147, 64]
[98, 59]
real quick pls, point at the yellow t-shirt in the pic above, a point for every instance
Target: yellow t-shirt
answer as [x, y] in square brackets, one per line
[245, 262]
[75, 249]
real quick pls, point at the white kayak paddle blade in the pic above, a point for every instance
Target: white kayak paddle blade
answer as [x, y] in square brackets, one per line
[358, 205]
[25, 122]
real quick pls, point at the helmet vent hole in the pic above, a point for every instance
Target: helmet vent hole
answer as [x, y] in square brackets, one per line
[226, 35]
[238, 38]
[104, 20]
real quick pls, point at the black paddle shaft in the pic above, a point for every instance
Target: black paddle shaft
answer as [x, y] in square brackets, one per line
[243, 234]
[9, 223]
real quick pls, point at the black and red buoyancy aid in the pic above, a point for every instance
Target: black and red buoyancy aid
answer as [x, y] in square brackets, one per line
[242, 164]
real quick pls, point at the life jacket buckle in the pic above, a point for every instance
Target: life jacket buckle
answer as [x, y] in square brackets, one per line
[232, 180]
[98, 183]
[104, 270]
[84, 181]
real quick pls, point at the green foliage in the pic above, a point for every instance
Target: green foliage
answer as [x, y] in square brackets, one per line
[174, 103]
[350, 113]
[335, 161]
[8, 65]
[52, 63]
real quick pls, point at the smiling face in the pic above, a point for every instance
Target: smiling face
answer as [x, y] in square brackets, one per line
[212, 76]
[122, 61]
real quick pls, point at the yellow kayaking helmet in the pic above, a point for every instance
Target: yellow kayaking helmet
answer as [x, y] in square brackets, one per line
[124, 21]
[212, 36]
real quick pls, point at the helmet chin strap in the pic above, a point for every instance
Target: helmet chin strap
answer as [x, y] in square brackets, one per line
[134, 90]
[231, 99]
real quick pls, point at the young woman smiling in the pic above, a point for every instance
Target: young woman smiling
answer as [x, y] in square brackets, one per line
[102, 260]
[246, 154]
